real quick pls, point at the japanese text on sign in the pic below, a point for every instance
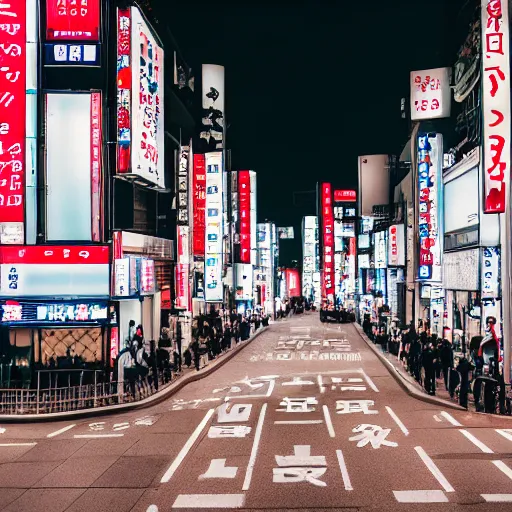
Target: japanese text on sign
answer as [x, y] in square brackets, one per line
[496, 103]
[77, 20]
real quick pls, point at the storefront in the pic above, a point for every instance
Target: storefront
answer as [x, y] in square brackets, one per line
[55, 305]
[142, 284]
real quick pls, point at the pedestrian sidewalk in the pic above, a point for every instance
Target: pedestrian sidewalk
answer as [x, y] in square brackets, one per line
[406, 380]
[186, 376]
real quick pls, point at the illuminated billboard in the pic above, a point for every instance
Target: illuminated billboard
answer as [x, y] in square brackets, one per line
[199, 205]
[140, 99]
[73, 20]
[183, 268]
[496, 138]
[212, 130]
[430, 94]
[327, 242]
[310, 265]
[244, 211]
[430, 158]
[182, 192]
[345, 196]
[214, 227]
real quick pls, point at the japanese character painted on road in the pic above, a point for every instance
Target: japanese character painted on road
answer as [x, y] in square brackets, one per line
[300, 467]
[372, 434]
[349, 384]
[298, 404]
[121, 426]
[237, 413]
[353, 406]
[228, 431]
[180, 404]
[146, 421]
[100, 425]
[218, 469]
[297, 381]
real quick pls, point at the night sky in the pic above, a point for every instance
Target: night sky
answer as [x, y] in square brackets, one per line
[308, 89]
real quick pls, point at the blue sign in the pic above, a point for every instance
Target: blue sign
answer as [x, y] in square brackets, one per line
[69, 54]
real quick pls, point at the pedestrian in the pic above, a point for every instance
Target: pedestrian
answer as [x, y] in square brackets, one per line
[464, 367]
[446, 360]
[429, 361]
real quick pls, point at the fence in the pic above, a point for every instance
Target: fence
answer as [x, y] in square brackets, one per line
[91, 391]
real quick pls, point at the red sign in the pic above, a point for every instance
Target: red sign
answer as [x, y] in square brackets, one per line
[96, 144]
[12, 107]
[344, 196]
[124, 86]
[182, 269]
[293, 282]
[328, 243]
[55, 254]
[244, 208]
[72, 20]
[496, 103]
[199, 205]
[114, 344]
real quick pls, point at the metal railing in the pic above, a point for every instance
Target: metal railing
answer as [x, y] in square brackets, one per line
[54, 399]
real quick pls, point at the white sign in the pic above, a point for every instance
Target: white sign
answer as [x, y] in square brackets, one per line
[244, 281]
[490, 272]
[34, 280]
[461, 200]
[122, 277]
[381, 250]
[212, 131]
[496, 103]
[461, 270]
[396, 246]
[147, 102]
[430, 94]
[214, 227]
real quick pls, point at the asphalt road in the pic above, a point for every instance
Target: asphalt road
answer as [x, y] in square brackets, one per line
[304, 418]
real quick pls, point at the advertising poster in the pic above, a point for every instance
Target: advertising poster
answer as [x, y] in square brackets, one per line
[430, 157]
[212, 131]
[214, 227]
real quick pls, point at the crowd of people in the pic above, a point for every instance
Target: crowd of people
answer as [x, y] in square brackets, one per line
[429, 359]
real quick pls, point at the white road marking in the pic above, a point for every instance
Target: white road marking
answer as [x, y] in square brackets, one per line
[328, 421]
[437, 418]
[369, 380]
[398, 421]
[434, 469]
[209, 501]
[61, 431]
[503, 468]
[3, 430]
[254, 451]
[152, 508]
[497, 498]
[218, 469]
[451, 419]
[475, 441]
[320, 383]
[420, 496]
[6, 445]
[186, 448]
[506, 433]
[300, 422]
[271, 387]
[96, 436]
[344, 471]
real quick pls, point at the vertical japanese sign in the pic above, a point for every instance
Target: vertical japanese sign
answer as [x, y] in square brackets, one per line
[496, 103]
[199, 205]
[147, 102]
[327, 243]
[124, 87]
[212, 131]
[96, 154]
[214, 291]
[13, 75]
[430, 156]
[309, 255]
[244, 209]
[72, 20]
[182, 269]
[182, 186]
[254, 240]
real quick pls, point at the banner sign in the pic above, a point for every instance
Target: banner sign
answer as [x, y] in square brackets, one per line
[345, 196]
[496, 103]
[199, 205]
[73, 20]
[430, 94]
[430, 158]
[244, 209]
[327, 243]
[182, 186]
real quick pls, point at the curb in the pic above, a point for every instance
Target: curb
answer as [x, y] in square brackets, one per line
[409, 388]
[155, 399]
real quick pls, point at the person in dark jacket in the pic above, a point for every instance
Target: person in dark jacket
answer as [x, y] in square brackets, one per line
[415, 359]
[464, 367]
[429, 362]
[446, 359]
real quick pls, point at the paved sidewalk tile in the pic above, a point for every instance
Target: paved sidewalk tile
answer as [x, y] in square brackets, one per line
[43, 500]
[106, 500]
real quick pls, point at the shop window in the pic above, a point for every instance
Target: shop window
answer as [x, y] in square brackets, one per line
[84, 343]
